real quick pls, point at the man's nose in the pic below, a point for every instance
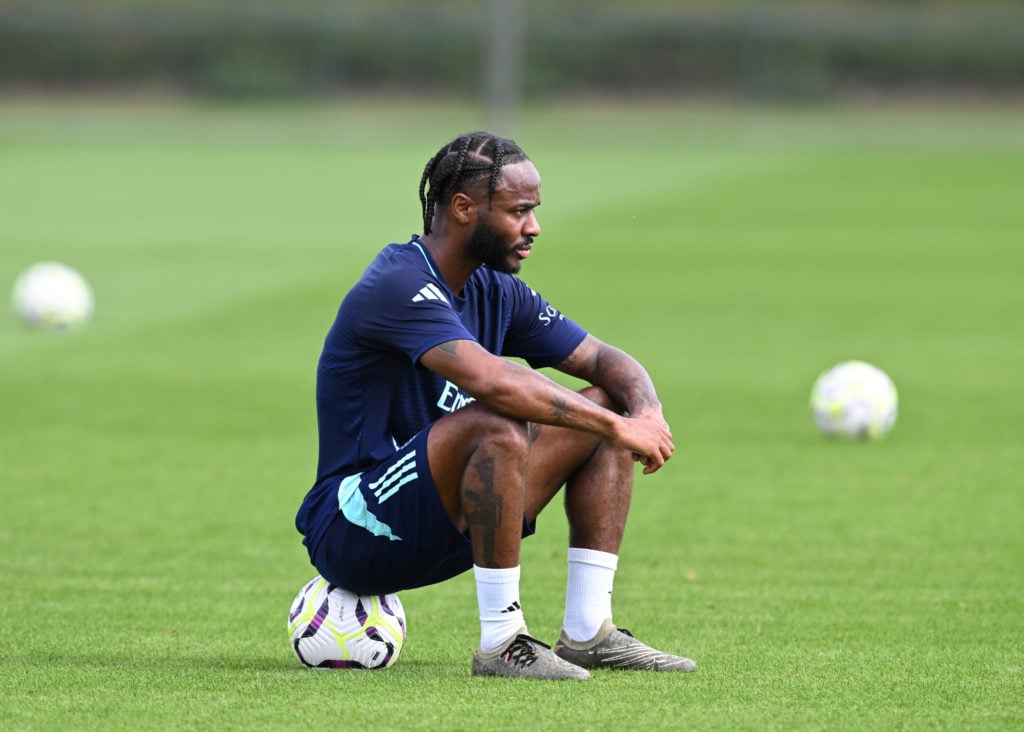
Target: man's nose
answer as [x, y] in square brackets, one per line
[532, 227]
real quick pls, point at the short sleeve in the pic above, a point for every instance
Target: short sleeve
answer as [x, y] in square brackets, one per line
[411, 313]
[538, 333]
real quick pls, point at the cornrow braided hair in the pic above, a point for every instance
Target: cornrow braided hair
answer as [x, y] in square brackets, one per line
[460, 165]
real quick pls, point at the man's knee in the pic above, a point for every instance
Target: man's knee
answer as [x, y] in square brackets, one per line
[497, 431]
[481, 427]
[469, 437]
[600, 397]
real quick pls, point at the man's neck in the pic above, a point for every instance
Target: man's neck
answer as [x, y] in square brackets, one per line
[452, 264]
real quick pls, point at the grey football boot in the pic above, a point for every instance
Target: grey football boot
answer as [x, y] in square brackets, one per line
[617, 648]
[527, 658]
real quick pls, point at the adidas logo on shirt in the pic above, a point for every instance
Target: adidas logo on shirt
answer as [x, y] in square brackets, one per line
[430, 291]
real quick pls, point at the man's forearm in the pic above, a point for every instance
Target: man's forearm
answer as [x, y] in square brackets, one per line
[533, 397]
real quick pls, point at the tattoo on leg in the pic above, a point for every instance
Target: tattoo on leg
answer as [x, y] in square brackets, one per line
[485, 515]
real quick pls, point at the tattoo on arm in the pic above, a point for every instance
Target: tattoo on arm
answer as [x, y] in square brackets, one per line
[483, 511]
[638, 393]
[560, 410]
[582, 362]
[618, 373]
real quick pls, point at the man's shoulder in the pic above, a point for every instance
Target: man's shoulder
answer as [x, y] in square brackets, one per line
[401, 256]
[401, 281]
[394, 264]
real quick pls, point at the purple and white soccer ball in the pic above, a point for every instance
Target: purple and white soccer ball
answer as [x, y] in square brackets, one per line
[334, 628]
[854, 400]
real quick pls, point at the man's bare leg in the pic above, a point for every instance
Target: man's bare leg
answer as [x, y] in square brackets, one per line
[479, 463]
[598, 491]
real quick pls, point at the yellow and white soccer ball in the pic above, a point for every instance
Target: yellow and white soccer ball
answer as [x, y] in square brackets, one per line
[54, 296]
[854, 400]
[334, 628]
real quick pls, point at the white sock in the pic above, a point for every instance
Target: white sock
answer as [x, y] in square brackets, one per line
[497, 594]
[588, 594]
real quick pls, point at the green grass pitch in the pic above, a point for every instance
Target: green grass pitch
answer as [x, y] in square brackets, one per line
[150, 465]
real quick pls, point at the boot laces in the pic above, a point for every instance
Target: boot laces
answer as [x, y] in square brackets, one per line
[522, 652]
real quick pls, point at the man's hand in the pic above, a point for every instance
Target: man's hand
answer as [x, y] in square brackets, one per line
[648, 437]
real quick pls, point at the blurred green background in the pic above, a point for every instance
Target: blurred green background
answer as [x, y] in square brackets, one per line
[783, 49]
[741, 194]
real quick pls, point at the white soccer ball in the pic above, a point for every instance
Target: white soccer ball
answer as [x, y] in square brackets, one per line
[52, 295]
[855, 400]
[334, 628]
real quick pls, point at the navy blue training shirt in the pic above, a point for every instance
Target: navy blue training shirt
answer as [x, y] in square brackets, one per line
[371, 393]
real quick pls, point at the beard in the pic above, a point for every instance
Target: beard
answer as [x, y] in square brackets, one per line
[486, 245]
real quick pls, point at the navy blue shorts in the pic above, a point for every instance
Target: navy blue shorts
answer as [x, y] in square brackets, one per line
[391, 532]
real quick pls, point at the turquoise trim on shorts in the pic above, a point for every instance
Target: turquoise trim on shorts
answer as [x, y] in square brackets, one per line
[353, 505]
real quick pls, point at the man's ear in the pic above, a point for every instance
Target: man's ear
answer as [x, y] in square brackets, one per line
[462, 209]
